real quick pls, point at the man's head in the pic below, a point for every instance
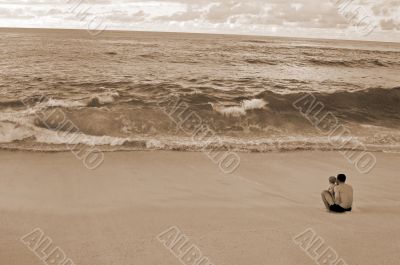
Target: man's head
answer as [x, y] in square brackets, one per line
[341, 178]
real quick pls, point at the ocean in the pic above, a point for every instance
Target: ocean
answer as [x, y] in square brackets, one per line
[154, 91]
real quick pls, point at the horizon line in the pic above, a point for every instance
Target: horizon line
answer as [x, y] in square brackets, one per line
[200, 33]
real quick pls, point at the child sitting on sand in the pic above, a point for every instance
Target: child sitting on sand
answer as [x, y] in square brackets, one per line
[332, 184]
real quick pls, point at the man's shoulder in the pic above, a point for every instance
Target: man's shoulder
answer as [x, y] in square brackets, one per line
[344, 186]
[348, 186]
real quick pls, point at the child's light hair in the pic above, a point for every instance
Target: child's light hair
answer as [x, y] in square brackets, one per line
[332, 180]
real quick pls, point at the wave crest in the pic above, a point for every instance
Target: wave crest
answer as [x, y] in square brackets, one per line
[240, 110]
[266, 116]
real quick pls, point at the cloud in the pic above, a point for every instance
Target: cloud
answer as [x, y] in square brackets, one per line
[126, 17]
[386, 8]
[304, 13]
[306, 17]
[390, 24]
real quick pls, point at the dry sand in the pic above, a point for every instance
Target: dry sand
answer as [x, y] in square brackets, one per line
[111, 216]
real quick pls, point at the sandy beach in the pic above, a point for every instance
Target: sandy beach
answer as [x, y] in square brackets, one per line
[222, 125]
[113, 215]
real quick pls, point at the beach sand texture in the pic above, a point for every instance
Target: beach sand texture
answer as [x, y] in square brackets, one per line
[112, 215]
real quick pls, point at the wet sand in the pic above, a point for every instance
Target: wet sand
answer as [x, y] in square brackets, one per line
[112, 215]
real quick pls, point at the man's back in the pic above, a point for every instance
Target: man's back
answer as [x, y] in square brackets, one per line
[344, 195]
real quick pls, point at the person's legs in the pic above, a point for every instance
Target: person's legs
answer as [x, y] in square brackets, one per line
[327, 199]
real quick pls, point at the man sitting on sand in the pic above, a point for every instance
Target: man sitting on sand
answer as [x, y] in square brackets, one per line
[342, 200]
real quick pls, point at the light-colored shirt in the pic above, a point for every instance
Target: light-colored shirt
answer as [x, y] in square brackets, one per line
[344, 195]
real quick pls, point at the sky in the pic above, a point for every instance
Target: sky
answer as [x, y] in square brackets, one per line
[377, 20]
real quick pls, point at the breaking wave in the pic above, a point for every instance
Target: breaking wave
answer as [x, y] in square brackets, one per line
[43, 102]
[264, 122]
[241, 109]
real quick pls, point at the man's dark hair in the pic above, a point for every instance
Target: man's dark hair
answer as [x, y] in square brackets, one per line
[341, 177]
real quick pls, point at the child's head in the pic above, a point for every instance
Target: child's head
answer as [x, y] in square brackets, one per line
[332, 180]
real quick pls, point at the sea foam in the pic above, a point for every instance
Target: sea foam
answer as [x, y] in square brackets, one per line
[241, 110]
